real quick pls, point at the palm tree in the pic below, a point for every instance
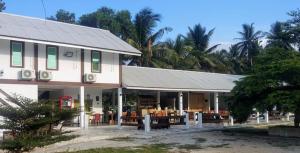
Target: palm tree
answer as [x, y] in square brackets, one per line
[199, 40]
[145, 37]
[173, 54]
[249, 42]
[279, 37]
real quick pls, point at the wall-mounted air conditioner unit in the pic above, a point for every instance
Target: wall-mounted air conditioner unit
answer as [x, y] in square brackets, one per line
[27, 74]
[45, 75]
[90, 78]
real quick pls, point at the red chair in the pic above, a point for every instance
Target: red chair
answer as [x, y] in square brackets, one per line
[97, 119]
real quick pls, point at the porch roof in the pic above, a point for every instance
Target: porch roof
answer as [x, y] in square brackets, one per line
[143, 78]
[35, 30]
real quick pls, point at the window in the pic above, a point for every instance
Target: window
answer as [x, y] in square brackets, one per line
[52, 57]
[17, 54]
[96, 61]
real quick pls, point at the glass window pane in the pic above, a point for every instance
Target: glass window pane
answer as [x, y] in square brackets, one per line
[52, 58]
[17, 50]
[96, 61]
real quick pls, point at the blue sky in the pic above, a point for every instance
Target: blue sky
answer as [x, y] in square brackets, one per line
[224, 15]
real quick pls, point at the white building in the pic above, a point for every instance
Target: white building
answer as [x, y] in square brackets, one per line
[43, 59]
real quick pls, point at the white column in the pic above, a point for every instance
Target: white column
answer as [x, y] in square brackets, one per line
[230, 120]
[208, 101]
[257, 118]
[120, 104]
[200, 120]
[216, 97]
[82, 114]
[267, 117]
[188, 101]
[147, 123]
[180, 97]
[158, 100]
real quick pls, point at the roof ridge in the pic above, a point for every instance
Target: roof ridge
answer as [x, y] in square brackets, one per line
[179, 70]
[53, 21]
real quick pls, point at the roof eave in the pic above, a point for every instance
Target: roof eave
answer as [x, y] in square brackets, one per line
[174, 89]
[70, 45]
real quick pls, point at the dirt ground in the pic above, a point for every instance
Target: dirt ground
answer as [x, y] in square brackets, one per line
[180, 140]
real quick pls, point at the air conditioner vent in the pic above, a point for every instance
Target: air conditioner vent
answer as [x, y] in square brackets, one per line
[90, 78]
[27, 74]
[45, 75]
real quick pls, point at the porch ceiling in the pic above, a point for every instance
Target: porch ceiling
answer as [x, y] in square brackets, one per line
[142, 78]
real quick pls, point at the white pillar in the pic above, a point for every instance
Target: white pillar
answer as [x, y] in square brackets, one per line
[180, 103]
[288, 116]
[187, 120]
[147, 123]
[257, 118]
[120, 104]
[200, 120]
[82, 114]
[230, 120]
[208, 102]
[188, 101]
[216, 97]
[267, 117]
[158, 100]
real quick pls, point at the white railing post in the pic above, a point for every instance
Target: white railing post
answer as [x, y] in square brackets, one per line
[267, 117]
[231, 120]
[200, 125]
[147, 123]
[82, 113]
[187, 124]
[120, 104]
[195, 118]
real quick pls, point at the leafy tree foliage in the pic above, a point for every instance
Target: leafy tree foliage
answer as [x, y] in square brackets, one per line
[249, 42]
[2, 6]
[279, 36]
[29, 122]
[63, 16]
[274, 81]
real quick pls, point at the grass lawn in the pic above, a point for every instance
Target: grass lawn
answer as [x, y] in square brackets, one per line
[157, 148]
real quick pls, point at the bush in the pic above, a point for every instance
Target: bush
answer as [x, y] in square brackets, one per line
[31, 123]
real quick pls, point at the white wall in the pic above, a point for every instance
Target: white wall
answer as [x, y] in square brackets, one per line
[110, 67]
[69, 67]
[28, 91]
[92, 92]
[9, 72]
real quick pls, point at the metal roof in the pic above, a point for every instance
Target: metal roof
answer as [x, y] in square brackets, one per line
[143, 78]
[15, 27]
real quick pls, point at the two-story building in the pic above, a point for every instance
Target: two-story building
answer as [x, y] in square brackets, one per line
[43, 59]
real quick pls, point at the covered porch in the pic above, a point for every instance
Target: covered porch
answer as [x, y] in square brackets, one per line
[165, 92]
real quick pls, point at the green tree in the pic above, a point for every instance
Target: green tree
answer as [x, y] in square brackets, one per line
[294, 27]
[249, 42]
[31, 123]
[279, 36]
[274, 81]
[173, 54]
[118, 23]
[2, 6]
[63, 16]
[145, 22]
[199, 40]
